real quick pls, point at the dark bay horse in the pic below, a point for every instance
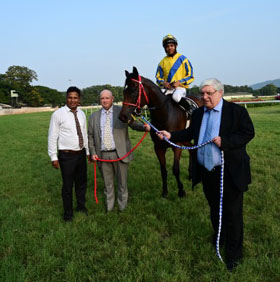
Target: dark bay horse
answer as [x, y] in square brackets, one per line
[165, 114]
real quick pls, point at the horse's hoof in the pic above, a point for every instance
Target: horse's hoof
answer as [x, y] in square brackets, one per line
[182, 194]
[164, 194]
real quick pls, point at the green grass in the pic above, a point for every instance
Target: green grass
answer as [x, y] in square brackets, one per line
[154, 239]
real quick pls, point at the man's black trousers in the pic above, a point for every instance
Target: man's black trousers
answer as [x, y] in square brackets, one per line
[232, 220]
[74, 171]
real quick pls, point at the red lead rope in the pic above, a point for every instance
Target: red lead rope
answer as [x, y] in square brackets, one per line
[110, 161]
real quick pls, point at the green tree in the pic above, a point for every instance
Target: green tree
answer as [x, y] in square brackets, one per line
[194, 90]
[4, 90]
[90, 95]
[19, 78]
[234, 89]
[50, 96]
[268, 90]
[33, 98]
[20, 75]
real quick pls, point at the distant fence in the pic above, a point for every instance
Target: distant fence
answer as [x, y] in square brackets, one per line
[257, 102]
[25, 110]
[91, 109]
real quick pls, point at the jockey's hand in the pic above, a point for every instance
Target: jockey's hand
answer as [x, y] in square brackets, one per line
[163, 133]
[176, 84]
[147, 127]
[218, 141]
[166, 85]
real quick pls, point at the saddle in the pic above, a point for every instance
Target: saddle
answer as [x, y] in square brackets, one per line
[188, 104]
[191, 105]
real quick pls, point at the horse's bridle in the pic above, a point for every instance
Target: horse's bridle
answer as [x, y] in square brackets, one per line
[141, 88]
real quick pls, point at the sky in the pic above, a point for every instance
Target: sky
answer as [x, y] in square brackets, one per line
[89, 42]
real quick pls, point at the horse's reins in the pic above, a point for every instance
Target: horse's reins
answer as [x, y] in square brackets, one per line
[221, 181]
[138, 102]
[111, 161]
[141, 88]
[138, 106]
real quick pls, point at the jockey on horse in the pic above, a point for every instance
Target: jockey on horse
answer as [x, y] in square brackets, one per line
[175, 73]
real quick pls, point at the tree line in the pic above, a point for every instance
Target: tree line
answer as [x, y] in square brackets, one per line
[268, 90]
[19, 78]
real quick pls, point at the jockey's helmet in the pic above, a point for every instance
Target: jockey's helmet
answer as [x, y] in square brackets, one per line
[169, 38]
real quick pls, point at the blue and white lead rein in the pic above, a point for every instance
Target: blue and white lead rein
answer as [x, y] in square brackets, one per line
[221, 182]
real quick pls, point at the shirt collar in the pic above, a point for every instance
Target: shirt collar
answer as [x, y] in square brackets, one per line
[218, 108]
[110, 110]
[69, 110]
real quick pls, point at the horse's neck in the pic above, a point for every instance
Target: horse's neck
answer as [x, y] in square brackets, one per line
[162, 108]
[156, 98]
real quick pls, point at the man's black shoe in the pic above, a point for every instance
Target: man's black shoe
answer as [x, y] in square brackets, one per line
[83, 210]
[67, 218]
[231, 265]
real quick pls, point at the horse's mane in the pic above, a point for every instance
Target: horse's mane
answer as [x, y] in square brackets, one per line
[154, 86]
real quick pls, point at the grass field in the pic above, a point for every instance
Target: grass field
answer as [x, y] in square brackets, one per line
[154, 239]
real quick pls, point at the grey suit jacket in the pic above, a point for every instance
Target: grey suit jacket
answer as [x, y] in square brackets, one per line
[120, 134]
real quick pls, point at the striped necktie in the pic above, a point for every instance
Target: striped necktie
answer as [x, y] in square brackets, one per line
[79, 132]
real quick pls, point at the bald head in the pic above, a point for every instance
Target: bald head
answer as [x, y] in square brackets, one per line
[106, 99]
[105, 91]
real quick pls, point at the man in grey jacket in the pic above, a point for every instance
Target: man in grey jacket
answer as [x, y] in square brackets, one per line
[109, 139]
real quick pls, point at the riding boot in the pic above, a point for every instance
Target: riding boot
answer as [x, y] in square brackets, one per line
[184, 103]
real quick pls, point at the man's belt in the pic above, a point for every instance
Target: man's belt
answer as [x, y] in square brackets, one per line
[72, 152]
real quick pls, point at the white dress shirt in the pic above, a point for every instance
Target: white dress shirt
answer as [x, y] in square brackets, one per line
[63, 132]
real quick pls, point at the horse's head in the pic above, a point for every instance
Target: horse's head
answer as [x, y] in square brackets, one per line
[134, 94]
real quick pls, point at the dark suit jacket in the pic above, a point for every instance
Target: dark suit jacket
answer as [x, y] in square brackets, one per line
[236, 131]
[120, 133]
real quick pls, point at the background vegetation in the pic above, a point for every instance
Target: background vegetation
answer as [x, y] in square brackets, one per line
[154, 239]
[19, 78]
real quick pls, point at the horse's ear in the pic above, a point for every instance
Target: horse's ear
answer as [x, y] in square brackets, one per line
[135, 72]
[126, 73]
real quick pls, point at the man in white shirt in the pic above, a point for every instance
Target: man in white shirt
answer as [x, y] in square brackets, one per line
[68, 148]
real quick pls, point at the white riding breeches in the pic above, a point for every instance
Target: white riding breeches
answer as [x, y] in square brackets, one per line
[178, 94]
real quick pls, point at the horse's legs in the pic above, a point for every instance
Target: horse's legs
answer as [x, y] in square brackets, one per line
[176, 171]
[160, 152]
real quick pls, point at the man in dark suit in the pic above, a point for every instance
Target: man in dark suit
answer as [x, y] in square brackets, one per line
[230, 128]
[109, 139]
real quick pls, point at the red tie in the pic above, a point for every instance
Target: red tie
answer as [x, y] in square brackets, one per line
[79, 132]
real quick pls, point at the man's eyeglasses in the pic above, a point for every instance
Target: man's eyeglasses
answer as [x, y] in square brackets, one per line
[207, 93]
